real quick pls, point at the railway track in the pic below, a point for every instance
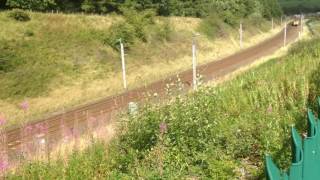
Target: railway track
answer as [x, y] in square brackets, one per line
[79, 120]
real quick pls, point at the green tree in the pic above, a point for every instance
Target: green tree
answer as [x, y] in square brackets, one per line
[3, 4]
[271, 8]
[104, 6]
[31, 4]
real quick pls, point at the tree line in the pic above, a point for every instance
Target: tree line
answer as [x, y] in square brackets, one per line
[196, 8]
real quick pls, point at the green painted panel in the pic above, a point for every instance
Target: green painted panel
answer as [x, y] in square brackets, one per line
[305, 155]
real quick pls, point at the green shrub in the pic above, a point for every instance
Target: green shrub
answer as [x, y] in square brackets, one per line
[140, 21]
[8, 59]
[38, 5]
[314, 82]
[137, 26]
[163, 32]
[123, 31]
[212, 26]
[29, 33]
[19, 15]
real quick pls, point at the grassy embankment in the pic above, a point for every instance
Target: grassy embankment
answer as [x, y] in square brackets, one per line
[316, 27]
[215, 133]
[62, 60]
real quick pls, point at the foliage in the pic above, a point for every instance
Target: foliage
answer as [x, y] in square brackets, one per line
[8, 62]
[123, 31]
[216, 133]
[3, 4]
[229, 10]
[31, 4]
[271, 8]
[314, 84]
[163, 32]
[136, 27]
[298, 6]
[19, 15]
[212, 26]
[103, 6]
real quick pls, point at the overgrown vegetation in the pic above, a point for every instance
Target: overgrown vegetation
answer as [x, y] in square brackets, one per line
[300, 6]
[137, 26]
[215, 133]
[89, 55]
[198, 8]
[19, 15]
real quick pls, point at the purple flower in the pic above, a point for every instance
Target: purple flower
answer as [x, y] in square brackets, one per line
[2, 120]
[24, 105]
[3, 165]
[163, 128]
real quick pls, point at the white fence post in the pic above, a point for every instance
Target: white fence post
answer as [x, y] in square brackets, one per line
[241, 35]
[123, 66]
[285, 35]
[194, 63]
[301, 23]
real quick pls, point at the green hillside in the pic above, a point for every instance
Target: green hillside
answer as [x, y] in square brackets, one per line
[215, 133]
[77, 56]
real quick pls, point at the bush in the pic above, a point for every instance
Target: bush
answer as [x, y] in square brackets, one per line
[211, 26]
[163, 32]
[139, 21]
[29, 33]
[123, 31]
[19, 15]
[37, 5]
[8, 59]
[137, 26]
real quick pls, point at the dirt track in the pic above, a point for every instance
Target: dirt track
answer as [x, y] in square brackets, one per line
[78, 120]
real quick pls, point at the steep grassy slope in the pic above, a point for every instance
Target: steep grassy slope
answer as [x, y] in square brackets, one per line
[56, 55]
[316, 27]
[215, 133]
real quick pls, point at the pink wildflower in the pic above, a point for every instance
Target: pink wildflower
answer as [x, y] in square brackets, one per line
[163, 128]
[24, 105]
[3, 165]
[2, 120]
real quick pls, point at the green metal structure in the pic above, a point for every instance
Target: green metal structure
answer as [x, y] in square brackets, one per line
[306, 155]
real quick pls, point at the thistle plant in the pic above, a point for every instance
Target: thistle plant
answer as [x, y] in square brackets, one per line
[4, 163]
[24, 147]
[163, 128]
[28, 145]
